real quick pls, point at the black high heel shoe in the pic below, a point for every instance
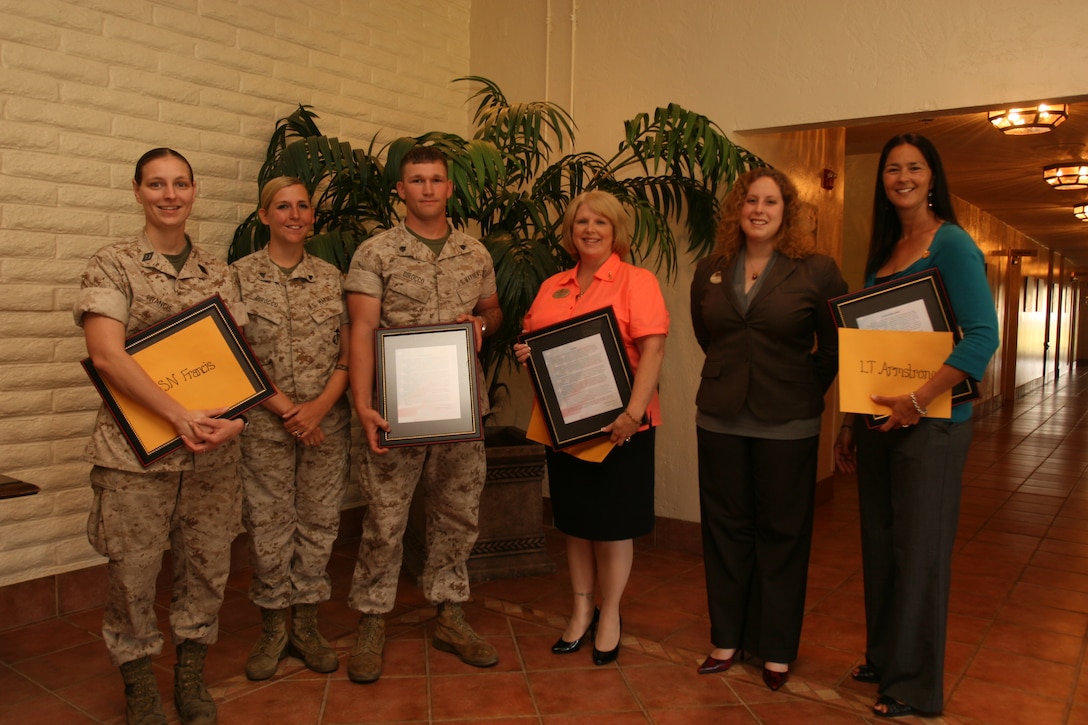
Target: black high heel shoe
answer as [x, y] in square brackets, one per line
[563, 647]
[604, 658]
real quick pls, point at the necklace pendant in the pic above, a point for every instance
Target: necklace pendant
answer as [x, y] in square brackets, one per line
[755, 275]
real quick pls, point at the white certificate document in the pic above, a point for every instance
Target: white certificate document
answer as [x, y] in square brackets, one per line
[909, 317]
[582, 379]
[427, 387]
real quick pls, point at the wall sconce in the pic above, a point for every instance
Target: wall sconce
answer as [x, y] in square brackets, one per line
[1080, 211]
[1068, 175]
[1024, 121]
[827, 179]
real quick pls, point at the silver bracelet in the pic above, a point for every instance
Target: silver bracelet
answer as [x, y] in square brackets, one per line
[920, 409]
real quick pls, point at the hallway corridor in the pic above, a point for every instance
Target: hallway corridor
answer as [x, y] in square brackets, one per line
[1016, 652]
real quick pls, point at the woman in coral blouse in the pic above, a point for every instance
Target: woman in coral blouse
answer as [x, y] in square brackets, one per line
[602, 507]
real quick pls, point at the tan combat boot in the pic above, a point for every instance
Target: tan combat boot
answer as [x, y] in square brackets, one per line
[264, 658]
[365, 663]
[191, 697]
[143, 706]
[453, 634]
[306, 642]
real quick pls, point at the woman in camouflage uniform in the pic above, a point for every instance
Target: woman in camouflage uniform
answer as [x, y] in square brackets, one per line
[295, 463]
[187, 501]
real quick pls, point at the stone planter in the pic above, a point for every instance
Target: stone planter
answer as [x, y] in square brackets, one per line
[511, 541]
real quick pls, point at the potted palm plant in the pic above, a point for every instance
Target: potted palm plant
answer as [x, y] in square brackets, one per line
[512, 182]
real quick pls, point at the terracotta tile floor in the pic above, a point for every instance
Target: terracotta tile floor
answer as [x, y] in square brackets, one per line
[1018, 627]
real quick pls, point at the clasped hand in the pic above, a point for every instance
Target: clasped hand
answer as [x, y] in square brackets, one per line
[303, 421]
[203, 430]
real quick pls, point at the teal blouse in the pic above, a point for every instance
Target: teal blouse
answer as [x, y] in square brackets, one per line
[962, 268]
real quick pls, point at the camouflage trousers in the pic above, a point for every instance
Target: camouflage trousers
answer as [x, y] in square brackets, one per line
[291, 509]
[451, 477]
[137, 516]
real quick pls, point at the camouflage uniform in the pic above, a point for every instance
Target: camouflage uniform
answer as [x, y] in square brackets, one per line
[187, 502]
[416, 288]
[291, 506]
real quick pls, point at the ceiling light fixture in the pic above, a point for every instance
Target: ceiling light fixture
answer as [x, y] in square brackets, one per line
[1067, 175]
[1080, 211]
[1024, 121]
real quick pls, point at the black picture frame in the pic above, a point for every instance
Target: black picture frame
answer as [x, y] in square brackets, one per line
[927, 287]
[409, 398]
[200, 358]
[555, 352]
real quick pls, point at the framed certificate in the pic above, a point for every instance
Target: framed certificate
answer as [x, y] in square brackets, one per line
[914, 303]
[427, 384]
[200, 359]
[581, 374]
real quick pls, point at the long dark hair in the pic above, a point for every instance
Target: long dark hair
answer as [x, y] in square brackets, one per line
[158, 154]
[886, 226]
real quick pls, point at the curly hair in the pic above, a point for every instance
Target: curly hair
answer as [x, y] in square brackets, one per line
[608, 206]
[793, 239]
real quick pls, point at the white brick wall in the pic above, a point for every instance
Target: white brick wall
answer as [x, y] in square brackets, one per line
[85, 88]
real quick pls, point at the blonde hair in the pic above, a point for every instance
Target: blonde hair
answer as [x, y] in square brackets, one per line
[275, 186]
[608, 206]
[793, 239]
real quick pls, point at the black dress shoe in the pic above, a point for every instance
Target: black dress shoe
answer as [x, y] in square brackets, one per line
[774, 680]
[713, 665]
[603, 658]
[563, 647]
[865, 673]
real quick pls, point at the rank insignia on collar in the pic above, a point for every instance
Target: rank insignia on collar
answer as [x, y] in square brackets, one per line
[147, 256]
[561, 293]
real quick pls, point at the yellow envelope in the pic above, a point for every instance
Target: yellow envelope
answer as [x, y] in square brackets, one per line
[593, 451]
[890, 362]
[196, 366]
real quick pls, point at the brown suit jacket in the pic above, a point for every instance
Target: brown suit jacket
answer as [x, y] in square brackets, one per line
[780, 355]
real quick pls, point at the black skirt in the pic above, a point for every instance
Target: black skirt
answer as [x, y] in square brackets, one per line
[607, 501]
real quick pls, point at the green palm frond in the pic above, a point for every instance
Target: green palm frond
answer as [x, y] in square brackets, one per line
[514, 178]
[335, 247]
[523, 131]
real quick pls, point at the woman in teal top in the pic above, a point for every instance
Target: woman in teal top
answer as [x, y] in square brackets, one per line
[910, 469]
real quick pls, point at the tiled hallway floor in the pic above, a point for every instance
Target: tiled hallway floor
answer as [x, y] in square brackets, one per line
[1016, 653]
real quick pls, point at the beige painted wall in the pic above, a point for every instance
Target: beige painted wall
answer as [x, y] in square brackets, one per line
[754, 68]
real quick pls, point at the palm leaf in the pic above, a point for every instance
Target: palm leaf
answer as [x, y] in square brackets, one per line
[669, 170]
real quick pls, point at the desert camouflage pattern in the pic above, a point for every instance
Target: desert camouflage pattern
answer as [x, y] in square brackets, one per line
[132, 283]
[292, 492]
[294, 323]
[417, 288]
[452, 478]
[188, 503]
[133, 519]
